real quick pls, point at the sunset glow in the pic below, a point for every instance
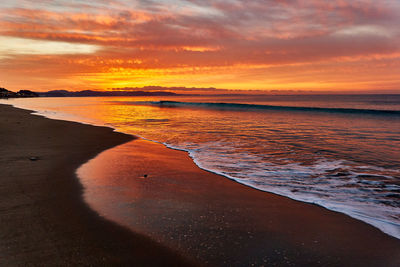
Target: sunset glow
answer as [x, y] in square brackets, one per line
[265, 45]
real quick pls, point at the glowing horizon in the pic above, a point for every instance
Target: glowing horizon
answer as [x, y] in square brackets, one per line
[264, 45]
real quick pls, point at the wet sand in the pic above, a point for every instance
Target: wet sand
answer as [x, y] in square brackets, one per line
[43, 219]
[221, 222]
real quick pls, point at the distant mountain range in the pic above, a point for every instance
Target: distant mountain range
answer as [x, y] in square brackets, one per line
[166, 89]
[65, 93]
[4, 93]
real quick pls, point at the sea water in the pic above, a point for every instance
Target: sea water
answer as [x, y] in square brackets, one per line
[338, 151]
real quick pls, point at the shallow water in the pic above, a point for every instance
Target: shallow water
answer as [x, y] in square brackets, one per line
[341, 152]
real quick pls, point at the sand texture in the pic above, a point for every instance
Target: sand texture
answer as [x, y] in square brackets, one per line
[43, 220]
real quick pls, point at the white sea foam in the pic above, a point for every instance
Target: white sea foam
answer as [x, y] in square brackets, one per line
[288, 180]
[366, 192]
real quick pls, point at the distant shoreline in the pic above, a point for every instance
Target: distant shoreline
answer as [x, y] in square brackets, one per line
[181, 91]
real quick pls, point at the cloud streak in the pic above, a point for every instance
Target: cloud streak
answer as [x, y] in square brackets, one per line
[206, 42]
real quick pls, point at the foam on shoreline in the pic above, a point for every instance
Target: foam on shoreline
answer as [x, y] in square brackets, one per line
[386, 226]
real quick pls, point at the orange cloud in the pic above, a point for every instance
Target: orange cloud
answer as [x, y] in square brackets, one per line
[232, 44]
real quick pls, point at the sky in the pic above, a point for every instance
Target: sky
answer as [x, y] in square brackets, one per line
[317, 45]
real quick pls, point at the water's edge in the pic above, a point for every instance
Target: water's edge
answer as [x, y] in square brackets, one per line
[64, 117]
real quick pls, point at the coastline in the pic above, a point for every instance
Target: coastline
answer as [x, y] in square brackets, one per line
[44, 220]
[283, 231]
[222, 222]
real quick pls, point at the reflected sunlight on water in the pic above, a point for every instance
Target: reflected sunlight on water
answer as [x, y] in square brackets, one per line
[346, 160]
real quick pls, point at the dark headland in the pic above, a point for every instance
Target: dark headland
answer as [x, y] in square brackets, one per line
[4, 93]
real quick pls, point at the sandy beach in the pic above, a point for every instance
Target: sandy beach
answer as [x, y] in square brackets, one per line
[44, 220]
[223, 223]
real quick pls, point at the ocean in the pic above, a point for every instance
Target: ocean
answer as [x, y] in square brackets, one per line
[341, 152]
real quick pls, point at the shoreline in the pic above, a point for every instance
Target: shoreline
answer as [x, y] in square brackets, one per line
[272, 192]
[222, 222]
[384, 224]
[44, 220]
[277, 234]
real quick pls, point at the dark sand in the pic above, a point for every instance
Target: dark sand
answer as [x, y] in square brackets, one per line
[43, 219]
[224, 223]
